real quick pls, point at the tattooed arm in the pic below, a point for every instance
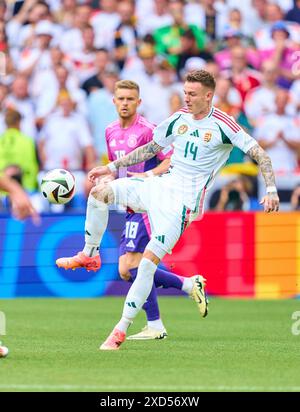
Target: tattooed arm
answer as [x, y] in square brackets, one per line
[271, 200]
[141, 154]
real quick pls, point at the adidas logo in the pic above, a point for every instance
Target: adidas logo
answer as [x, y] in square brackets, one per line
[131, 304]
[130, 244]
[195, 133]
[160, 238]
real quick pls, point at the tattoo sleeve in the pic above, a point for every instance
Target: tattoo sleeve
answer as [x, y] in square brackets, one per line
[264, 162]
[141, 154]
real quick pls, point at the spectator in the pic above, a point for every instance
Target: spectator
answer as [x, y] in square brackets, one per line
[282, 53]
[260, 101]
[21, 28]
[20, 100]
[126, 39]
[227, 98]
[189, 49]
[82, 62]
[100, 119]
[33, 60]
[65, 142]
[295, 94]
[60, 79]
[168, 38]
[65, 14]
[104, 23]
[142, 68]
[161, 90]
[279, 135]
[211, 17]
[3, 10]
[17, 152]
[94, 82]
[233, 38]
[237, 195]
[71, 40]
[272, 14]
[294, 13]
[3, 94]
[295, 198]
[65, 139]
[3, 38]
[236, 21]
[157, 18]
[243, 78]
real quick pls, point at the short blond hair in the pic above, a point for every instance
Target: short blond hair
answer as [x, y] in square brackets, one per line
[127, 84]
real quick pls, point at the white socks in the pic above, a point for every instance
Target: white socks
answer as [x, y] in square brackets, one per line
[187, 285]
[138, 293]
[156, 324]
[95, 225]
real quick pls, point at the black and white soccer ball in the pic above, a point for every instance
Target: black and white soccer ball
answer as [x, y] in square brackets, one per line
[58, 186]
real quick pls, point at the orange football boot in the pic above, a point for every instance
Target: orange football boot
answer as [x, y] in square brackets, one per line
[80, 261]
[114, 341]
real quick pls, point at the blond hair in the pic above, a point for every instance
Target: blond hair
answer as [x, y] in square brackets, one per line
[127, 84]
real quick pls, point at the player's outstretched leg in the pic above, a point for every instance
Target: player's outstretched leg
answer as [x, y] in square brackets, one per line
[193, 286]
[199, 295]
[155, 328]
[95, 225]
[135, 299]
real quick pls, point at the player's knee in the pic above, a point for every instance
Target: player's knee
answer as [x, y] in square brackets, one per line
[103, 192]
[148, 254]
[124, 273]
[125, 276]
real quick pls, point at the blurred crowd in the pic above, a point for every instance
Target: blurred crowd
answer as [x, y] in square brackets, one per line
[60, 59]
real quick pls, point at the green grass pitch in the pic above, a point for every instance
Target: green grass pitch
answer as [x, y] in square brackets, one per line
[243, 345]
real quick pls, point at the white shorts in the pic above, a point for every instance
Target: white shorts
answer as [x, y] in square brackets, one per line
[163, 202]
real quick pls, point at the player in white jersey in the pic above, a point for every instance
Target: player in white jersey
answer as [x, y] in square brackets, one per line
[203, 138]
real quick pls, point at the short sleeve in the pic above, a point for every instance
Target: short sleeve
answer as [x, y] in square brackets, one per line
[243, 140]
[232, 133]
[109, 153]
[166, 153]
[164, 133]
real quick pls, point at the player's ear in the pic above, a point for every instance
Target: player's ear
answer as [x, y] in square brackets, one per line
[139, 101]
[209, 94]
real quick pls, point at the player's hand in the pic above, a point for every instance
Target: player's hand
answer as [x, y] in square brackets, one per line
[270, 202]
[22, 207]
[97, 172]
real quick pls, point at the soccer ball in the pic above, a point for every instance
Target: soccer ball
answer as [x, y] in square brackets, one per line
[3, 351]
[58, 186]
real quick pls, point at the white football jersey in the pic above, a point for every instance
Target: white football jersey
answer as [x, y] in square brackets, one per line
[201, 147]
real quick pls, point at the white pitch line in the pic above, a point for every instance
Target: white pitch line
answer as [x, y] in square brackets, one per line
[154, 388]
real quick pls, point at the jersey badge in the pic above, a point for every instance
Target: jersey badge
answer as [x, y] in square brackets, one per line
[132, 141]
[183, 129]
[207, 136]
